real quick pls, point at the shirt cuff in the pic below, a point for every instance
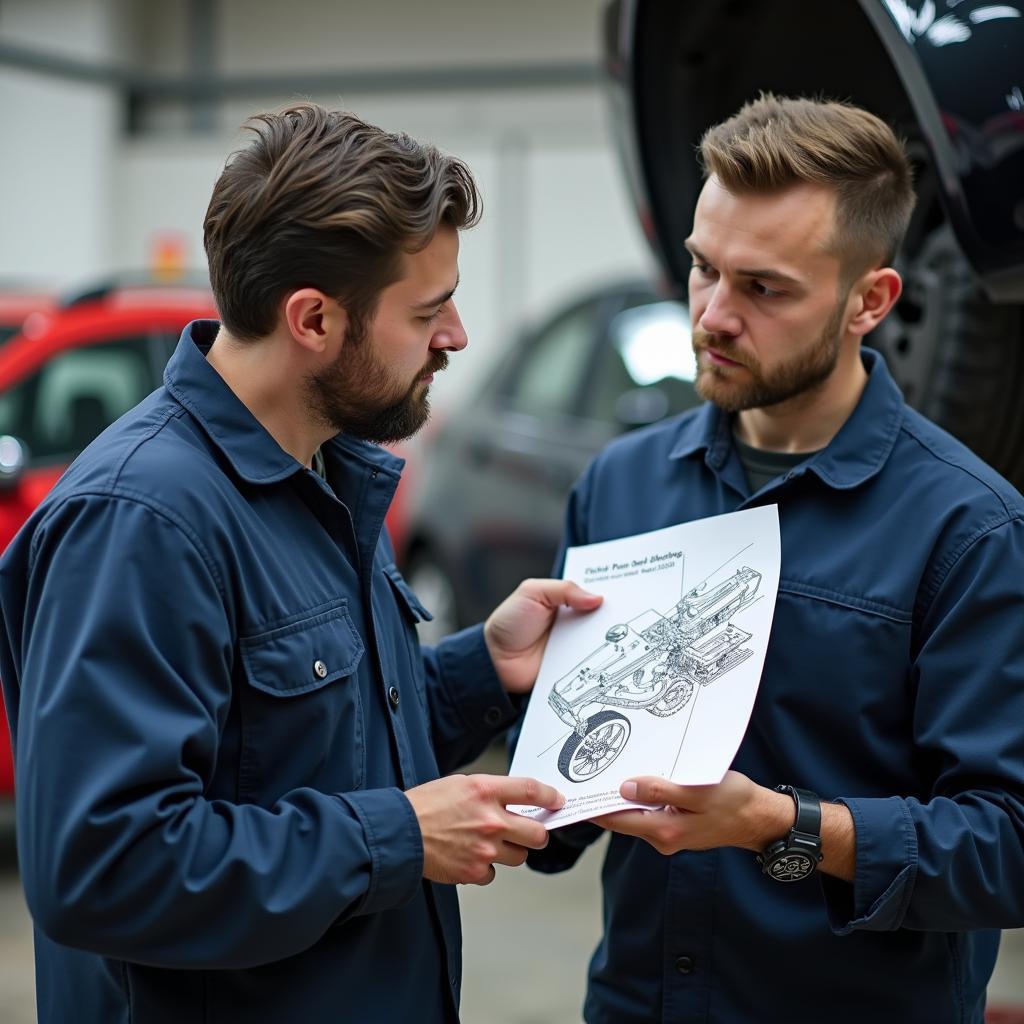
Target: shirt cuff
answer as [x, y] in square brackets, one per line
[565, 846]
[884, 871]
[472, 685]
[395, 844]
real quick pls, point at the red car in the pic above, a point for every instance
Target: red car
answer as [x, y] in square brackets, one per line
[17, 304]
[70, 369]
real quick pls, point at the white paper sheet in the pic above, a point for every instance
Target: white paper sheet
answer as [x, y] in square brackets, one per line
[661, 679]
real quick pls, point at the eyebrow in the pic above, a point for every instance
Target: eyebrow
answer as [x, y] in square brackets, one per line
[764, 273]
[439, 300]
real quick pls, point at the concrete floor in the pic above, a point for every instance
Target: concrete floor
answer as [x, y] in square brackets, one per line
[528, 939]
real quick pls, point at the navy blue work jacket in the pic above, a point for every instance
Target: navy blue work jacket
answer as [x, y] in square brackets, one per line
[217, 697]
[894, 682]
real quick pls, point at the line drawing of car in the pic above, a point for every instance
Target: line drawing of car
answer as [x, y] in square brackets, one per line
[652, 662]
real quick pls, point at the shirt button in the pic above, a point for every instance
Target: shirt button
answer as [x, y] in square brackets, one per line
[492, 716]
[393, 696]
[685, 965]
[319, 669]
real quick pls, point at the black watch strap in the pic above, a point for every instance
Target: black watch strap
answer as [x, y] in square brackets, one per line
[798, 853]
[808, 810]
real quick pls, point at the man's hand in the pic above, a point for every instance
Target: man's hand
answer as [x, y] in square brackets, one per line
[517, 631]
[735, 812]
[467, 830]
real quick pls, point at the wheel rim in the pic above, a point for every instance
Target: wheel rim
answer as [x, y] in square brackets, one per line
[597, 751]
[674, 699]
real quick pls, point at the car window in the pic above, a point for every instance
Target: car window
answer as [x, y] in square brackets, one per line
[547, 380]
[60, 408]
[646, 369]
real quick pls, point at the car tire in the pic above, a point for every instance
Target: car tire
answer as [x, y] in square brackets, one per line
[433, 585]
[675, 699]
[957, 356]
[615, 729]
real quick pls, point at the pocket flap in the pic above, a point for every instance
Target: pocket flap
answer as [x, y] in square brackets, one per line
[406, 595]
[303, 654]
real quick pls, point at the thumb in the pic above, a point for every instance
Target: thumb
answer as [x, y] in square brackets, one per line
[653, 790]
[575, 597]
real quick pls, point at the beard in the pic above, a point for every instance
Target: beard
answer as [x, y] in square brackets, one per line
[801, 374]
[358, 395]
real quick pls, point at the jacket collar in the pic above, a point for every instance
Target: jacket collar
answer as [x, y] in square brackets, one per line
[253, 453]
[857, 452]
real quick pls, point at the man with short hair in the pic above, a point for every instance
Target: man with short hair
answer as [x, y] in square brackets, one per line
[227, 739]
[858, 860]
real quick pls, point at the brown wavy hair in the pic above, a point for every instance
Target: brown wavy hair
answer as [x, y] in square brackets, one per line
[775, 142]
[319, 198]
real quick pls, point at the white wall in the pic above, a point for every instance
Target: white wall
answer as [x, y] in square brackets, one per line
[81, 198]
[57, 145]
[414, 33]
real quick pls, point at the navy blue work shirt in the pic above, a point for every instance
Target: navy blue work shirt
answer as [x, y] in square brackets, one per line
[894, 683]
[217, 697]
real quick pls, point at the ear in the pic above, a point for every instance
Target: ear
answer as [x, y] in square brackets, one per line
[315, 322]
[872, 296]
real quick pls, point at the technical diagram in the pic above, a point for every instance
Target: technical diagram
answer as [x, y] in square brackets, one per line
[652, 663]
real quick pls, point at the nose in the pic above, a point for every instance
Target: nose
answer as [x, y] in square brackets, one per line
[449, 334]
[719, 316]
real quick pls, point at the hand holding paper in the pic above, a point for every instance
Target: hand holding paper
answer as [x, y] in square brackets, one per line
[516, 632]
[735, 812]
[661, 679]
[466, 829]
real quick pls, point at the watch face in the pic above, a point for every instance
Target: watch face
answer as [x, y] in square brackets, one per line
[790, 867]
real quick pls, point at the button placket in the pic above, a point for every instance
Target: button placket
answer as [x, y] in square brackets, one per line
[684, 965]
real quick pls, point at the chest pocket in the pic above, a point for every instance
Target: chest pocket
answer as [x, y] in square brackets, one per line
[406, 598]
[302, 715]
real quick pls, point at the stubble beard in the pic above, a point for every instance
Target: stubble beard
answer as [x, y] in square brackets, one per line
[804, 373]
[357, 394]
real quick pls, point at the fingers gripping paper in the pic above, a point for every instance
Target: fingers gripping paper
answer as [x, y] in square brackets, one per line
[661, 679]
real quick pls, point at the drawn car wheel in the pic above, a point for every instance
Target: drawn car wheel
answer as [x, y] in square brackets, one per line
[677, 697]
[582, 759]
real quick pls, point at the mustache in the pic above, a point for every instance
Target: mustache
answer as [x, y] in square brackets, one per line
[437, 362]
[726, 346]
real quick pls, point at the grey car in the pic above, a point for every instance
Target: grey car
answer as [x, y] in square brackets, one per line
[487, 510]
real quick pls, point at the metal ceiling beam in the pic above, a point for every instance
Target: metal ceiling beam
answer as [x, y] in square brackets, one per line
[192, 86]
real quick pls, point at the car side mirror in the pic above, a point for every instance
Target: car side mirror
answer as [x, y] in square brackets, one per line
[13, 458]
[640, 406]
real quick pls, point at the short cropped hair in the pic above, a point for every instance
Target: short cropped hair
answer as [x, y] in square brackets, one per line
[775, 142]
[318, 198]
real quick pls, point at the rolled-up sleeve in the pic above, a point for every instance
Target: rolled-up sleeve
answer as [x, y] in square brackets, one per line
[952, 859]
[125, 648]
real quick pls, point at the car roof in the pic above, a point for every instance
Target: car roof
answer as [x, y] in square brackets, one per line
[16, 303]
[111, 309]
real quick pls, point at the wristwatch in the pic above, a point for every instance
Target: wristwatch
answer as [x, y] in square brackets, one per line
[797, 854]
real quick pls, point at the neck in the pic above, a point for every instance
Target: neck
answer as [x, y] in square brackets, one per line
[808, 421]
[269, 385]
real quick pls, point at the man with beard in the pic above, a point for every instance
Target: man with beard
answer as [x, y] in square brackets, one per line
[862, 854]
[228, 742]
